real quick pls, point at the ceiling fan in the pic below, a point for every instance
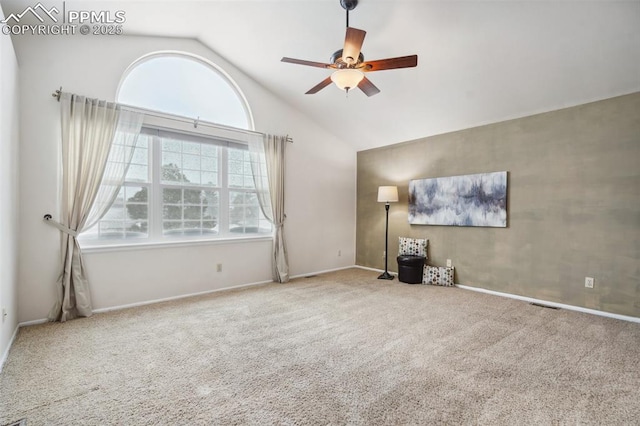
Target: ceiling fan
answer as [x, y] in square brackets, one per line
[349, 63]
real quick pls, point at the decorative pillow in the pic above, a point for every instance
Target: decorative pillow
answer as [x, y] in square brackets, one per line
[435, 275]
[412, 246]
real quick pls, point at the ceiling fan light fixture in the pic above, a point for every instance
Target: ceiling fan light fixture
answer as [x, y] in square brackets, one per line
[347, 78]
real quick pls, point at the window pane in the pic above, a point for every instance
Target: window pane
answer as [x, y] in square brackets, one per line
[209, 178]
[172, 195]
[136, 229]
[127, 217]
[136, 211]
[191, 162]
[169, 226]
[235, 167]
[191, 148]
[191, 226]
[143, 141]
[190, 212]
[109, 229]
[171, 158]
[171, 145]
[172, 212]
[171, 173]
[235, 154]
[209, 164]
[201, 90]
[140, 156]
[137, 173]
[239, 169]
[116, 212]
[245, 216]
[235, 181]
[209, 150]
[191, 176]
[193, 196]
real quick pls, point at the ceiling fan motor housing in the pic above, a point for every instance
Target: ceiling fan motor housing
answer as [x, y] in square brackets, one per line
[337, 59]
[348, 4]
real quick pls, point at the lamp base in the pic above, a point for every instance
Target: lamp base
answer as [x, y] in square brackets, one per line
[386, 276]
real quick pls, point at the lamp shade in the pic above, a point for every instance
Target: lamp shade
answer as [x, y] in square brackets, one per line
[387, 194]
[347, 79]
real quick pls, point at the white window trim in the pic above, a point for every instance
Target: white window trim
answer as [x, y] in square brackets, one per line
[118, 247]
[166, 122]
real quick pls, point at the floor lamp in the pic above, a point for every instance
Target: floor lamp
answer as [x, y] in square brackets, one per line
[386, 195]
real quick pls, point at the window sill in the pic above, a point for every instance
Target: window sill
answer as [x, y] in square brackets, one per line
[87, 248]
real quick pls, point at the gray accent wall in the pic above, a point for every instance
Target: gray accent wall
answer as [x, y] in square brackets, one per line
[573, 204]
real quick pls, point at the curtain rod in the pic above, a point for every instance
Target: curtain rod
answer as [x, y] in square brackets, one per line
[196, 122]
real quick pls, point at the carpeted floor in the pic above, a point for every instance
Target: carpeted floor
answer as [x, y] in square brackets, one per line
[339, 348]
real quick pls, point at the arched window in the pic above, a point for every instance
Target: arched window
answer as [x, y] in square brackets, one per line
[184, 184]
[184, 85]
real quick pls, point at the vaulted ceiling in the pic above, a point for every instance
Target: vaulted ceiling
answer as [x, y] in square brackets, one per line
[479, 61]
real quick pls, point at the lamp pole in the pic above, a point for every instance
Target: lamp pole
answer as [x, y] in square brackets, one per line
[386, 275]
[386, 195]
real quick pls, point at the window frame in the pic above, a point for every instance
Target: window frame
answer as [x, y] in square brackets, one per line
[222, 136]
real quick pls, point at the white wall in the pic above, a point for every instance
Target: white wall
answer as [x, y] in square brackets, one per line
[9, 124]
[320, 184]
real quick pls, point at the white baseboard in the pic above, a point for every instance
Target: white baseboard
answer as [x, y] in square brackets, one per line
[308, 274]
[6, 352]
[366, 268]
[33, 322]
[151, 302]
[552, 304]
[182, 296]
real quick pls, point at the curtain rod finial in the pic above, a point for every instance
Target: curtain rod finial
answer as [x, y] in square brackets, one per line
[57, 94]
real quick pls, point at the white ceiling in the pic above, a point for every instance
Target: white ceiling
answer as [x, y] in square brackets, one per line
[479, 61]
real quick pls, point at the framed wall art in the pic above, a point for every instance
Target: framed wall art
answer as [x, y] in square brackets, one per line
[468, 200]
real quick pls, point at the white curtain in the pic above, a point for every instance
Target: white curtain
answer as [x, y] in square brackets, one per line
[98, 140]
[268, 167]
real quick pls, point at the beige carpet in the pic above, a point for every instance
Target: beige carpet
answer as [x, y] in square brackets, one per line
[339, 348]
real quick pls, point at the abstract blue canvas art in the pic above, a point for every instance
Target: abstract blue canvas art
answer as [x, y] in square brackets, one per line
[469, 200]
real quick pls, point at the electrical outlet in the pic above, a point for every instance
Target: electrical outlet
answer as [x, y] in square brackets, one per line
[384, 254]
[219, 267]
[448, 263]
[589, 281]
[339, 253]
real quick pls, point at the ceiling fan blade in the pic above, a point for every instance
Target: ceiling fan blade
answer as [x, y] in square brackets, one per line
[368, 87]
[303, 62]
[352, 45]
[391, 63]
[315, 89]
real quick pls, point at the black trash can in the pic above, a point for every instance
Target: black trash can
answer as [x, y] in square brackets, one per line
[410, 269]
